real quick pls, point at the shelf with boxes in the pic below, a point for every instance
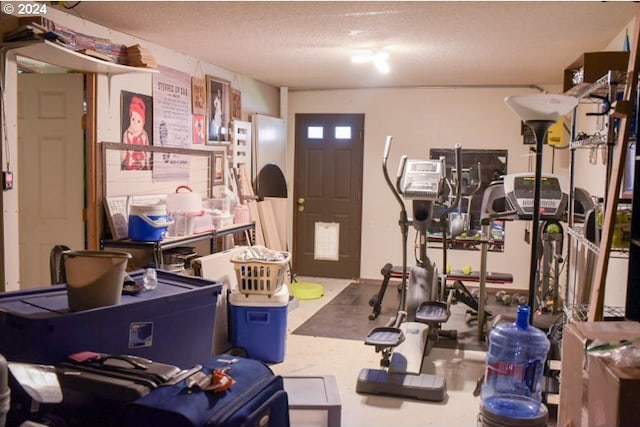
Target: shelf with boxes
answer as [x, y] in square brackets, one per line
[599, 79]
[37, 39]
[56, 54]
[587, 71]
[168, 214]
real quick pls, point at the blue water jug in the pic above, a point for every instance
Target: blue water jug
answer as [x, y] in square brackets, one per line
[514, 369]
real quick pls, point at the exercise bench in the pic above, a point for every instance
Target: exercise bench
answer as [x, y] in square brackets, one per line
[462, 294]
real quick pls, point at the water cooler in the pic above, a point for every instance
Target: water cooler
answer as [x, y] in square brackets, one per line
[259, 324]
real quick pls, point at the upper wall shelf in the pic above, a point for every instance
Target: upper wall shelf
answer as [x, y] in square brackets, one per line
[599, 87]
[593, 65]
[54, 54]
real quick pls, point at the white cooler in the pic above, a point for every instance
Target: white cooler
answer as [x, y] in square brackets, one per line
[258, 324]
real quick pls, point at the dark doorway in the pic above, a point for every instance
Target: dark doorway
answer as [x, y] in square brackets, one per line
[328, 194]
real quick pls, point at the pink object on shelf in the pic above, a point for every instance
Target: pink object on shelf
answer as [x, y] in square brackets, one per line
[241, 214]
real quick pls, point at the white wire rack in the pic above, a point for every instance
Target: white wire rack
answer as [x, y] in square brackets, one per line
[574, 310]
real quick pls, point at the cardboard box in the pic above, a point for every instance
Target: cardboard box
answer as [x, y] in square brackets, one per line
[593, 393]
[613, 394]
[595, 65]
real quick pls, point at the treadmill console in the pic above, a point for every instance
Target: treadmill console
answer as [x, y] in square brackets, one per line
[422, 179]
[554, 195]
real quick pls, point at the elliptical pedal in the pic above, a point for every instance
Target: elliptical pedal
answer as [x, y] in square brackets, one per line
[385, 336]
[432, 312]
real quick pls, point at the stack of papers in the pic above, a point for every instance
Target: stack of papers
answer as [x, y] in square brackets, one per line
[137, 56]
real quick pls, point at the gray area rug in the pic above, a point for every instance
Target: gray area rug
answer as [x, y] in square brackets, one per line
[347, 317]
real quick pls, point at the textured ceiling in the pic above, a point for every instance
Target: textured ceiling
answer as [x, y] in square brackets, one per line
[309, 44]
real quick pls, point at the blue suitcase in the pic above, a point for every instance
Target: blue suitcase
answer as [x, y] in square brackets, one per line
[256, 399]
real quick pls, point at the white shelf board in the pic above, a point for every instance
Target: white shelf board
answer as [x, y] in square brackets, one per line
[54, 54]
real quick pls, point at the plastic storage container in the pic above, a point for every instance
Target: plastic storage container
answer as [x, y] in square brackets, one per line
[171, 324]
[186, 202]
[514, 368]
[259, 324]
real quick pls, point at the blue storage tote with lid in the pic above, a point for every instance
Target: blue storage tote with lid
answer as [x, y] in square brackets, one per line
[258, 324]
[171, 324]
[513, 378]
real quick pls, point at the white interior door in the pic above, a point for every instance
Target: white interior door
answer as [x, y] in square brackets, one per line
[270, 143]
[50, 176]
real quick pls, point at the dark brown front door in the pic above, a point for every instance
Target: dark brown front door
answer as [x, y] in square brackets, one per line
[328, 194]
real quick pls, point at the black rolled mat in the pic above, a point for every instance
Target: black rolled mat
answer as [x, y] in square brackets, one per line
[347, 317]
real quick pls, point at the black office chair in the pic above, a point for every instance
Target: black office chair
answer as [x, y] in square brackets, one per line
[56, 264]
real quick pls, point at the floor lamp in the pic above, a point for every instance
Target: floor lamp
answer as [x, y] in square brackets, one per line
[538, 111]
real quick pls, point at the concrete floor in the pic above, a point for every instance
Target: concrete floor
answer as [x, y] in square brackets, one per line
[307, 355]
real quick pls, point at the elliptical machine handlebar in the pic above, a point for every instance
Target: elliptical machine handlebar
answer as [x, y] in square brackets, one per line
[401, 166]
[387, 149]
[454, 204]
[403, 221]
[385, 171]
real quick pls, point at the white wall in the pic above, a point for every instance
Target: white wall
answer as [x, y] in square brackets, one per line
[420, 119]
[257, 97]
[424, 118]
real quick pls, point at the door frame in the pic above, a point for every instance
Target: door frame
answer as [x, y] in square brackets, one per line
[94, 220]
[10, 268]
[295, 192]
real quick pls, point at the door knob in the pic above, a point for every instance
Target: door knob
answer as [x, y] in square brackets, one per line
[301, 201]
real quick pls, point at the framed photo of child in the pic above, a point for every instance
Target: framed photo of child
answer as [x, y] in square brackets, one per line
[136, 114]
[217, 110]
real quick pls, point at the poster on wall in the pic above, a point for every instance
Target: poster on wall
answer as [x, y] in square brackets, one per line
[198, 96]
[199, 127]
[172, 123]
[136, 125]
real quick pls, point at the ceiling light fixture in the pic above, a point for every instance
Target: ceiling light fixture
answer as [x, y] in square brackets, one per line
[362, 56]
[380, 59]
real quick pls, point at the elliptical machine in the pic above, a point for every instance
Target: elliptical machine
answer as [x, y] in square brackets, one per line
[409, 337]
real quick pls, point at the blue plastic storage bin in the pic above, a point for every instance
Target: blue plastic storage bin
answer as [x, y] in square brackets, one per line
[171, 324]
[259, 324]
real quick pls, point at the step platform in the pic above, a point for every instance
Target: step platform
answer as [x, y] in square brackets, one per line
[420, 386]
